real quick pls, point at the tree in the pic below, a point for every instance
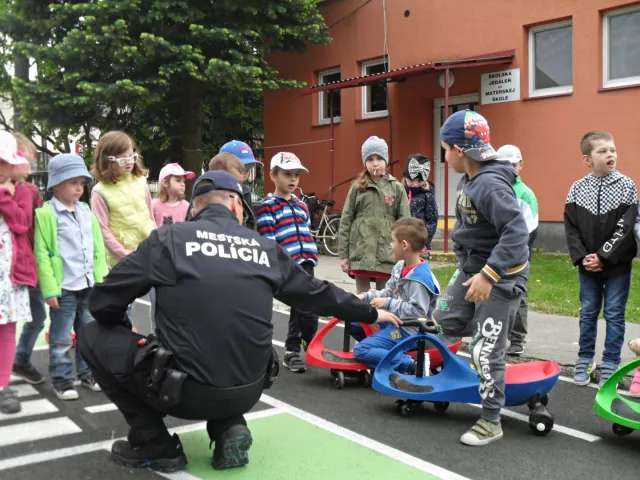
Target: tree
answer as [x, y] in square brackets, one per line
[163, 70]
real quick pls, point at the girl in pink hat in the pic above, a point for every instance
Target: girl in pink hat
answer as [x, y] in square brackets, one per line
[170, 206]
[17, 263]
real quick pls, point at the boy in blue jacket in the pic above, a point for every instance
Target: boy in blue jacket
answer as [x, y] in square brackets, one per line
[490, 242]
[410, 293]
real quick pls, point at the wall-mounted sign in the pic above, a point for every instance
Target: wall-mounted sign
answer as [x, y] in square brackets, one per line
[499, 87]
[442, 76]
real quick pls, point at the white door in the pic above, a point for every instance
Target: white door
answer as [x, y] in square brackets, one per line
[455, 103]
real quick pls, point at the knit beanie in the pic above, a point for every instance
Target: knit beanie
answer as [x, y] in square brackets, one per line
[375, 146]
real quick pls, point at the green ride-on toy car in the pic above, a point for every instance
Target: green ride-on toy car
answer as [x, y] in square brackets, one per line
[610, 405]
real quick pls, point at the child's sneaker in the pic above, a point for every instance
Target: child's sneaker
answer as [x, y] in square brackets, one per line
[66, 393]
[634, 346]
[482, 433]
[90, 383]
[606, 371]
[294, 363]
[9, 402]
[515, 349]
[634, 390]
[28, 373]
[582, 375]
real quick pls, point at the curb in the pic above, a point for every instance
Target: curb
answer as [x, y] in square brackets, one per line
[566, 370]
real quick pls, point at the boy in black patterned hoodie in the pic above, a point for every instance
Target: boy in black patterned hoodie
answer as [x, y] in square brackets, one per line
[422, 199]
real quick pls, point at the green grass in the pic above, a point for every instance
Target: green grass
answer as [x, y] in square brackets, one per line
[553, 286]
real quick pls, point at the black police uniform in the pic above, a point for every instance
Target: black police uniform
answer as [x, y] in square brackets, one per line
[215, 282]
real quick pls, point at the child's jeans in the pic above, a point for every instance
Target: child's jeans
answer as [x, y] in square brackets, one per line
[489, 322]
[73, 314]
[615, 291]
[152, 309]
[372, 349]
[302, 324]
[32, 329]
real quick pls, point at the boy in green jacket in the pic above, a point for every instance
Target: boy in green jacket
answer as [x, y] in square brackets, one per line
[71, 258]
[529, 208]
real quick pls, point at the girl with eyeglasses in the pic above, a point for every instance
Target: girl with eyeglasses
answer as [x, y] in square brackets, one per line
[120, 199]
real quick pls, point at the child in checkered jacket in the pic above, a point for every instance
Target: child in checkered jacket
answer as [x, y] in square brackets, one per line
[599, 218]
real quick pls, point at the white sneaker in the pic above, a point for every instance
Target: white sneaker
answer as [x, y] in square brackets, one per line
[68, 393]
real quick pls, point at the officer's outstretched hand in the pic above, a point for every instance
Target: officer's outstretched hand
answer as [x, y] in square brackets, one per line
[388, 317]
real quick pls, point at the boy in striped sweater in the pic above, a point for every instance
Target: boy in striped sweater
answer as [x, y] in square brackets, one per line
[285, 219]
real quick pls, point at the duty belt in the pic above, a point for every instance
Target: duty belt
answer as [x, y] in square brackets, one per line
[165, 382]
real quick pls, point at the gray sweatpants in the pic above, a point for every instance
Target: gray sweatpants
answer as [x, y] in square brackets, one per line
[489, 323]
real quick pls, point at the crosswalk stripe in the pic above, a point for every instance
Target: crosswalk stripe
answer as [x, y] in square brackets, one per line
[39, 430]
[24, 390]
[32, 407]
[107, 407]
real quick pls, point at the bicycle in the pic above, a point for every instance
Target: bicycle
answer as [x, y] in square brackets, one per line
[326, 229]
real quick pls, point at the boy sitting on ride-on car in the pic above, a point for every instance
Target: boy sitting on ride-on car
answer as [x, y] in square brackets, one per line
[410, 293]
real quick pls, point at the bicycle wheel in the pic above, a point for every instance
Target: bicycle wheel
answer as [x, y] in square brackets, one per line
[330, 236]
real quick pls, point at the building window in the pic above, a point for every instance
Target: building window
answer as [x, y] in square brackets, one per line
[551, 59]
[329, 76]
[374, 97]
[621, 47]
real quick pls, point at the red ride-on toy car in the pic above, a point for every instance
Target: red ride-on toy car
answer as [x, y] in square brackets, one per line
[344, 367]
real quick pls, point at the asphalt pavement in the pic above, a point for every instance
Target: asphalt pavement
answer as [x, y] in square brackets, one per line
[70, 440]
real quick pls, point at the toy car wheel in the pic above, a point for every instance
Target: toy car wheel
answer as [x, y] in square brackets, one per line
[620, 430]
[405, 410]
[540, 426]
[544, 400]
[399, 404]
[366, 379]
[440, 407]
[338, 380]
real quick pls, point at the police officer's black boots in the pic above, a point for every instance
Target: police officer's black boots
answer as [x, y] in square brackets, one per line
[232, 446]
[164, 454]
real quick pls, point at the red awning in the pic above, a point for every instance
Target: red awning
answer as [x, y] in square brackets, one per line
[497, 58]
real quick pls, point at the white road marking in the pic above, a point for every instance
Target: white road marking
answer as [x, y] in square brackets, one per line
[93, 447]
[558, 428]
[39, 430]
[30, 408]
[107, 407]
[24, 390]
[386, 450]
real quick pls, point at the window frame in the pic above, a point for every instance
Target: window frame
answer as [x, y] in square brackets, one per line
[545, 92]
[606, 81]
[365, 90]
[324, 96]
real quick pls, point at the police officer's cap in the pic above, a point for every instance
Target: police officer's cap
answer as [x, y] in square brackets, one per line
[220, 180]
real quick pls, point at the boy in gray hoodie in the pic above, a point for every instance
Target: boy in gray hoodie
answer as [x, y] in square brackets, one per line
[490, 241]
[410, 293]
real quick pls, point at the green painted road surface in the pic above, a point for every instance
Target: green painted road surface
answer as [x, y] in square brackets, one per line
[287, 447]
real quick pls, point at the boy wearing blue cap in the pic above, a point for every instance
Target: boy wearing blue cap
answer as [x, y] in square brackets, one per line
[490, 240]
[245, 154]
[71, 257]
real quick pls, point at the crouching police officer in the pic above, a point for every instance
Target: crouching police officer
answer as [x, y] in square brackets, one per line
[215, 282]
